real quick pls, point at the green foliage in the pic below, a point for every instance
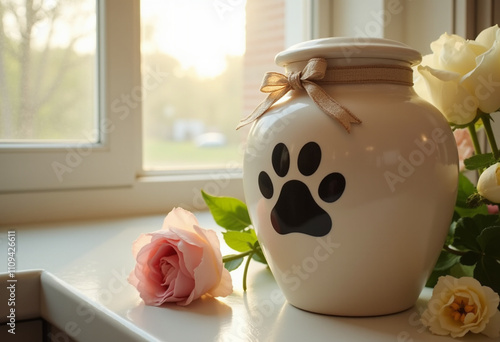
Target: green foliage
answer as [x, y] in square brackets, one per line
[473, 251]
[472, 247]
[479, 161]
[463, 207]
[240, 241]
[232, 214]
[229, 213]
[233, 264]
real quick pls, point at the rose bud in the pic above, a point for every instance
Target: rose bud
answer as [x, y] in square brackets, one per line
[488, 184]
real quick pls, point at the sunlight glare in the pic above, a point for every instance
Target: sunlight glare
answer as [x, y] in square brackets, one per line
[194, 33]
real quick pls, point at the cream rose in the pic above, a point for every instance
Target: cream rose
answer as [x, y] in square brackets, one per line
[484, 80]
[488, 184]
[458, 306]
[462, 75]
[443, 89]
[453, 53]
[179, 263]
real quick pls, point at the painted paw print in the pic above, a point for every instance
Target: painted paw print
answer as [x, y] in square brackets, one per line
[296, 210]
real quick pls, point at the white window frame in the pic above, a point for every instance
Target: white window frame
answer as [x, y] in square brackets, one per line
[105, 164]
[107, 180]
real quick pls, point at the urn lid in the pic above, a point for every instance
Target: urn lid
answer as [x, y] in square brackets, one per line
[348, 48]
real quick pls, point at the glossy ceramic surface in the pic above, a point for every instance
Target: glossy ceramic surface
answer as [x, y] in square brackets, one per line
[352, 224]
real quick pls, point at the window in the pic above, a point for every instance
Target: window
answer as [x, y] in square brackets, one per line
[95, 151]
[63, 175]
[192, 81]
[47, 72]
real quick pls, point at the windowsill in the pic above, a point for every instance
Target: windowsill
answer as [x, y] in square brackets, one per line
[84, 292]
[148, 195]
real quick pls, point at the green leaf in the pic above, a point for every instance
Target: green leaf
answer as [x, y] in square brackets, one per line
[465, 189]
[228, 212]
[451, 232]
[489, 241]
[479, 161]
[259, 255]
[487, 272]
[470, 258]
[443, 265]
[469, 228]
[240, 241]
[233, 264]
[471, 212]
[459, 270]
[433, 278]
[446, 260]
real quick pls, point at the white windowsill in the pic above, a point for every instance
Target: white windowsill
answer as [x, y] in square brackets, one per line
[83, 290]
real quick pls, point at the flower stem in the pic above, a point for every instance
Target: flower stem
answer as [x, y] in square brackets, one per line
[473, 135]
[245, 271]
[491, 137]
[453, 251]
[232, 257]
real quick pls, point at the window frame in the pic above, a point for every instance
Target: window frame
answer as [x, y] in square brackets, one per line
[50, 167]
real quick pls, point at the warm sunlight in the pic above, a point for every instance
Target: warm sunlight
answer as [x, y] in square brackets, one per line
[198, 33]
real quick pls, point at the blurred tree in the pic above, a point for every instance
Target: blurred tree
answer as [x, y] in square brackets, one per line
[47, 87]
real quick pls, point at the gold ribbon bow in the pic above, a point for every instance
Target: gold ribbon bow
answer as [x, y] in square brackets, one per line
[277, 85]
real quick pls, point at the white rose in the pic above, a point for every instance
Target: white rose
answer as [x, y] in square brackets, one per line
[488, 184]
[443, 89]
[488, 36]
[462, 75]
[458, 306]
[484, 80]
[453, 53]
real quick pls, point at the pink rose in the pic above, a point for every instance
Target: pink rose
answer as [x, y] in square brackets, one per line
[464, 145]
[492, 209]
[179, 263]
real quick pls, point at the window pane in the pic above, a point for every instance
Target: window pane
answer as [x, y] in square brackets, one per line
[48, 71]
[203, 62]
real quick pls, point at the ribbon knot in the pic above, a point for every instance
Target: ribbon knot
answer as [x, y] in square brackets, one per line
[277, 85]
[295, 81]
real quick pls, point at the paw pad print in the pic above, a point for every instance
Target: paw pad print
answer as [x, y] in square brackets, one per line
[295, 209]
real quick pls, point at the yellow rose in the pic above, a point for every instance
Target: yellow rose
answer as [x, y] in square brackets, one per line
[458, 306]
[443, 89]
[488, 184]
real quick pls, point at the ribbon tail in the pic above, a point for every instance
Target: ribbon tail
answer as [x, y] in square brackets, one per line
[263, 106]
[331, 107]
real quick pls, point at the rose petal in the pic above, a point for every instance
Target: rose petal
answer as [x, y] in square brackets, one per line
[443, 90]
[492, 329]
[181, 219]
[457, 56]
[140, 242]
[225, 287]
[487, 36]
[484, 80]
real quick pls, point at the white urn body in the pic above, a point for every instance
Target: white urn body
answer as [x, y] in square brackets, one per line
[351, 223]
